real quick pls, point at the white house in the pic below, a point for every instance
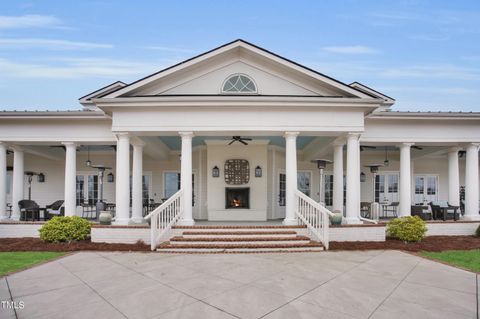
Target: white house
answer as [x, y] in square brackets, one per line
[173, 130]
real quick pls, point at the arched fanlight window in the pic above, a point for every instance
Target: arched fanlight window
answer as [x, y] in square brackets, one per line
[239, 83]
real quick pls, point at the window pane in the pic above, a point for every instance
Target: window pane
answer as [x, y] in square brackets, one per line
[80, 182]
[281, 187]
[92, 189]
[392, 183]
[431, 185]
[328, 190]
[303, 182]
[419, 185]
[172, 183]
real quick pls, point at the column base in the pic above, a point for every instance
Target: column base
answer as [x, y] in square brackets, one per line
[137, 220]
[122, 221]
[186, 222]
[352, 221]
[471, 217]
[290, 222]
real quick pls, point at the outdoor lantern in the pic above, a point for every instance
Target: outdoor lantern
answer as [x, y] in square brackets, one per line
[41, 178]
[362, 177]
[110, 178]
[215, 171]
[321, 164]
[258, 171]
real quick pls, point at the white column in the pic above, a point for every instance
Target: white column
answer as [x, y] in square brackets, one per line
[70, 178]
[453, 177]
[353, 179]
[186, 177]
[291, 177]
[122, 192]
[18, 180]
[137, 173]
[405, 196]
[338, 178]
[471, 183]
[3, 180]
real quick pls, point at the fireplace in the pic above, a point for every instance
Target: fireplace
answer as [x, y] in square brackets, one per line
[237, 197]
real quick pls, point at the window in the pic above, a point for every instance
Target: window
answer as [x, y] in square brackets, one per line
[239, 83]
[393, 183]
[92, 189]
[80, 189]
[303, 185]
[145, 189]
[172, 185]
[419, 185]
[431, 185]
[328, 190]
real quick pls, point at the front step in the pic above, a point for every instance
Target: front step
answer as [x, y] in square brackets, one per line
[239, 239]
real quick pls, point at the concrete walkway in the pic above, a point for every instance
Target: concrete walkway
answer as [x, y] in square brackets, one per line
[373, 284]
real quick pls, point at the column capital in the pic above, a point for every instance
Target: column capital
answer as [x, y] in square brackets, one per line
[16, 148]
[122, 135]
[71, 144]
[290, 134]
[454, 149]
[406, 144]
[351, 135]
[474, 144]
[186, 134]
[135, 141]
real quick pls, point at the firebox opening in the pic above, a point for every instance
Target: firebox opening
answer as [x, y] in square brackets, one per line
[237, 197]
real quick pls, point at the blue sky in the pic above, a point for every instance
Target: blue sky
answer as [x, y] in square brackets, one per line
[425, 54]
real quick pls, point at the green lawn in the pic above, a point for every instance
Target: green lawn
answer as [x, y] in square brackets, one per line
[469, 259]
[11, 261]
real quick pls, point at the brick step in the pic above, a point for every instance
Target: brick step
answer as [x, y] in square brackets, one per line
[259, 227]
[311, 244]
[244, 240]
[230, 234]
[175, 250]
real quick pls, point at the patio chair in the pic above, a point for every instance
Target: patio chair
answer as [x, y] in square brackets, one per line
[365, 209]
[392, 208]
[54, 209]
[420, 211]
[29, 207]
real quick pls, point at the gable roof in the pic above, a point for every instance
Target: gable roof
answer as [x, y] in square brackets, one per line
[368, 90]
[86, 99]
[236, 44]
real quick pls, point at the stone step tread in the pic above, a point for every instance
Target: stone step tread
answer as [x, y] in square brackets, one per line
[273, 232]
[167, 245]
[241, 250]
[238, 239]
[242, 227]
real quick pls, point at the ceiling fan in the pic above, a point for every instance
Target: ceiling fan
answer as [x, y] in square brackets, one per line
[364, 147]
[239, 139]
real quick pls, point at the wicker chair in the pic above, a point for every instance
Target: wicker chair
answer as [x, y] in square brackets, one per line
[29, 207]
[420, 211]
[54, 209]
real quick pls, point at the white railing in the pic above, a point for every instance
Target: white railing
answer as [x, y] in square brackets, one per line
[164, 217]
[314, 216]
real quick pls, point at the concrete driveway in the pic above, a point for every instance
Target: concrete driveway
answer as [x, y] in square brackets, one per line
[372, 284]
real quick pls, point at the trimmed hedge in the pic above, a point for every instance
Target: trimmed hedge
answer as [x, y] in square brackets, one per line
[65, 229]
[407, 229]
[478, 231]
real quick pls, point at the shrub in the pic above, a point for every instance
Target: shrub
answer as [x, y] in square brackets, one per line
[65, 229]
[407, 229]
[478, 231]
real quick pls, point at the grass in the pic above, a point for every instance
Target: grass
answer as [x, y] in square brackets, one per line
[13, 261]
[469, 259]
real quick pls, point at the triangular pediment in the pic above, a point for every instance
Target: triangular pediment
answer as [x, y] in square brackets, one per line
[205, 74]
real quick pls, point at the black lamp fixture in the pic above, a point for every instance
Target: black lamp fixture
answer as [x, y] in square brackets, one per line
[110, 177]
[88, 162]
[363, 177]
[258, 171]
[41, 178]
[215, 171]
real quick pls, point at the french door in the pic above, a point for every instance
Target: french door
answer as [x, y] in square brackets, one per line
[304, 179]
[386, 187]
[426, 188]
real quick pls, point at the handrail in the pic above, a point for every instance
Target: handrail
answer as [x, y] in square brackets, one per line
[164, 217]
[314, 216]
[368, 220]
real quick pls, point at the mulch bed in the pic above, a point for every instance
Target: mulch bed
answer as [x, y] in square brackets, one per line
[35, 244]
[431, 243]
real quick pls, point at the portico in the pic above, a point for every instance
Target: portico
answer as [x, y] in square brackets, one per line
[169, 143]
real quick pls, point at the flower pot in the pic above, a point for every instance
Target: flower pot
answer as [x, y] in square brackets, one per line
[105, 218]
[336, 219]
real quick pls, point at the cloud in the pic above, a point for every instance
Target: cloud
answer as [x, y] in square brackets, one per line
[50, 44]
[451, 72]
[430, 90]
[29, 21]
[167, 49]
[354, 49]
[72, 68]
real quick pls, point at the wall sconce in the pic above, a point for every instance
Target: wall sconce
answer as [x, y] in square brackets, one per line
[258, 171]
[110, 178]
[363, 177]
[41, 178]
[215, 171]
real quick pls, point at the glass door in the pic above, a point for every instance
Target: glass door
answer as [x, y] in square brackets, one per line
[386, 187]
[426, 188]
